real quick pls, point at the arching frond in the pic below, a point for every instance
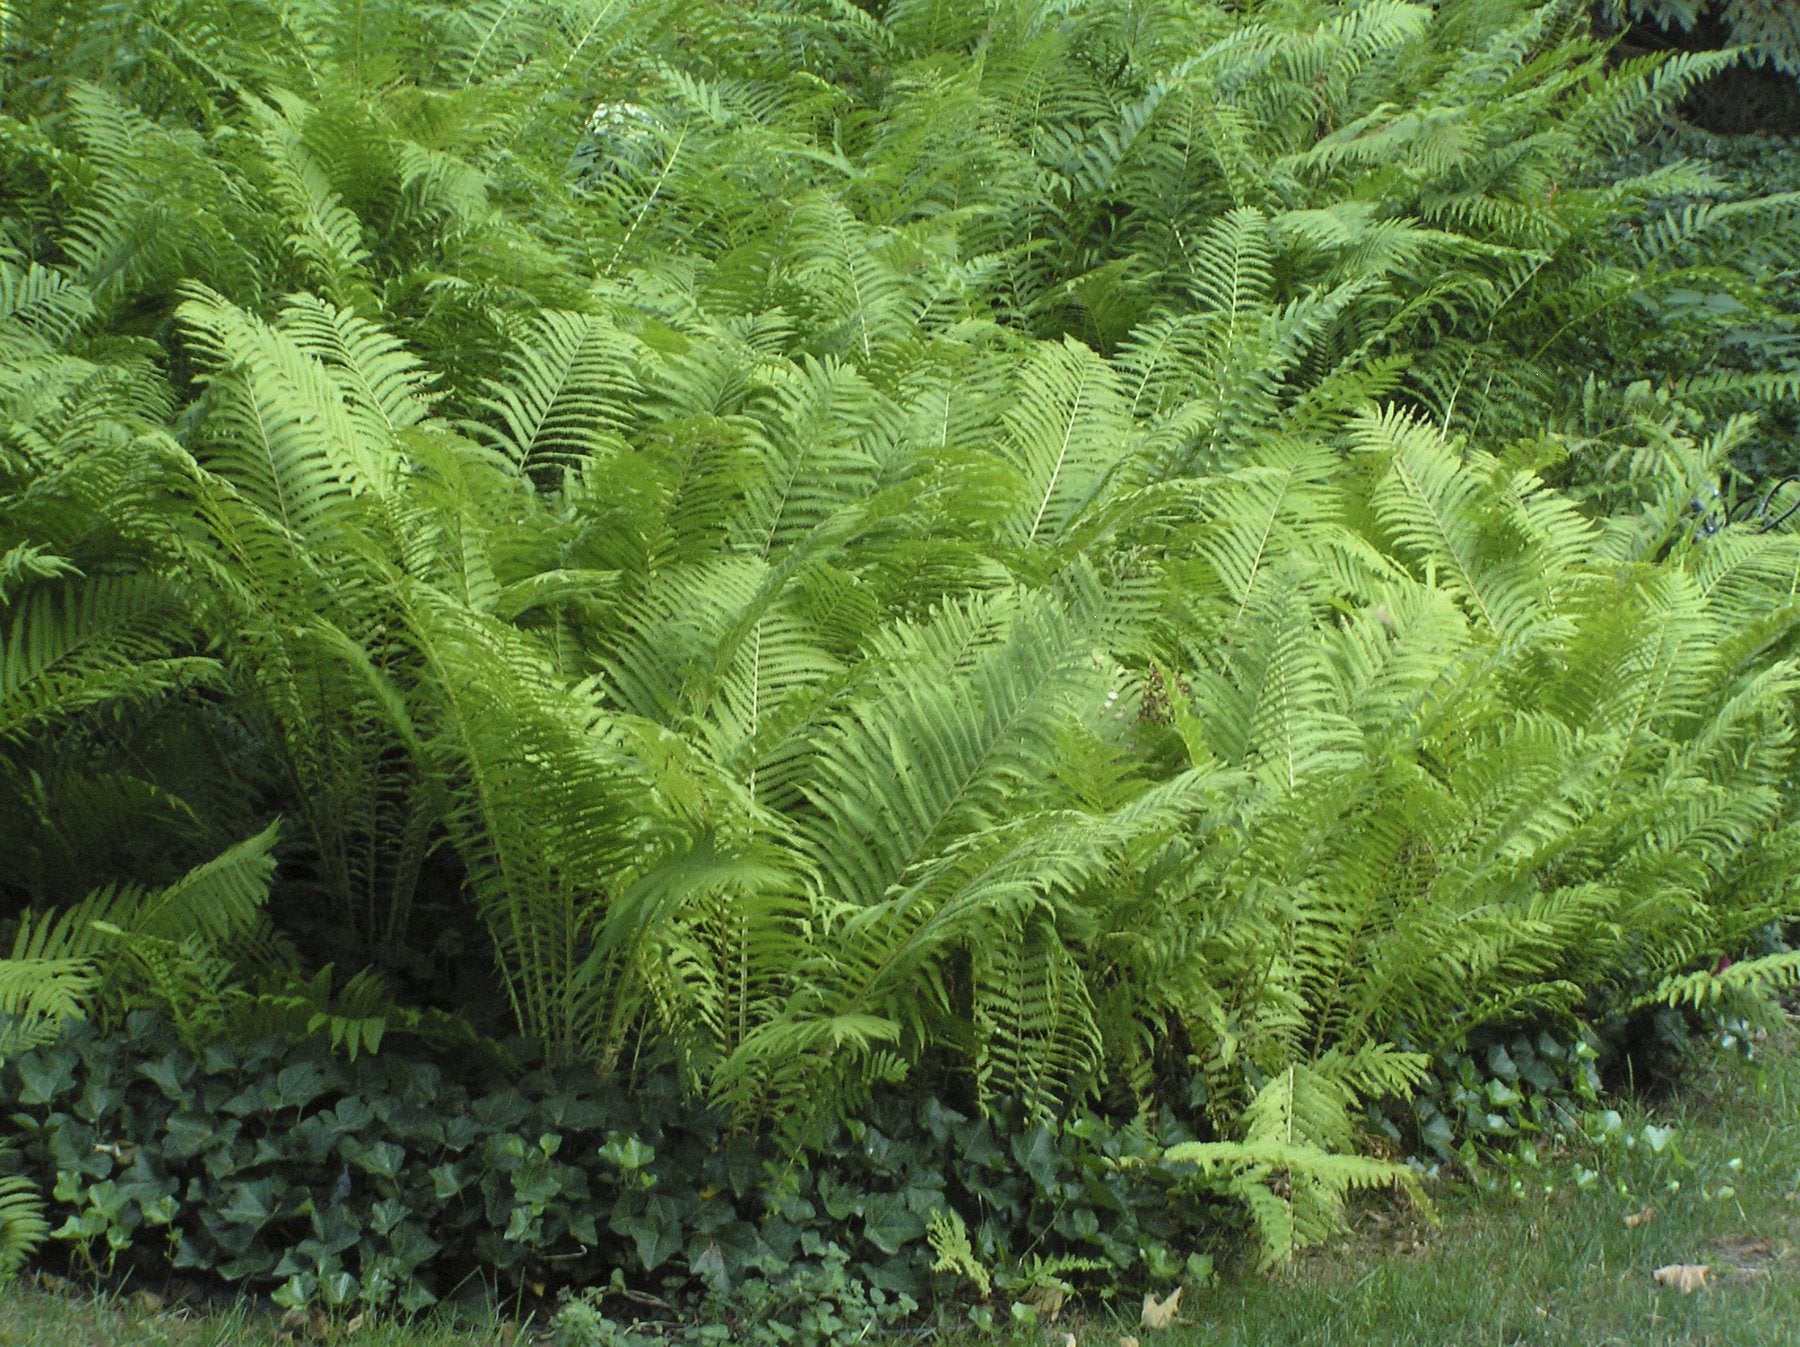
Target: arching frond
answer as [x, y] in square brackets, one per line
[78, 642]
[569, 395]
[284, 436]
[23, 1227]
[1064, 435]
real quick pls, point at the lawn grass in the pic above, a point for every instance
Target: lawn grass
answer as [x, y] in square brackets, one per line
[33, 1317]
[1546, 1260]
[1554, 1261]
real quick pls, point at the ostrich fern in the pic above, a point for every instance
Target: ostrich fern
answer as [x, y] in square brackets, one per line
[1766, 31]
[1013, 543]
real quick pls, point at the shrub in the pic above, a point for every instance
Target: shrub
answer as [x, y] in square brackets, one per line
[1065, 559]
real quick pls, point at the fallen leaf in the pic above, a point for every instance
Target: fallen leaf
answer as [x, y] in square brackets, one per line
[1637, 1218]
[1047, 1301]
[1686, 1278]
[1125, 1341]
[1160, 1314]
[355, 1324]
[1069, 1340]
[147, 1301]
[508, 1331]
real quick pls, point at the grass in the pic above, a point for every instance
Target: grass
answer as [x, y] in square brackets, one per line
[35, 1317]
[1547, 1258]
[1550, 1258]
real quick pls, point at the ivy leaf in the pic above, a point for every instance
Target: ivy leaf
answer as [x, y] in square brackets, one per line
[709, 1266]
[656, 1234]
[251, 1204]
[889, 1224]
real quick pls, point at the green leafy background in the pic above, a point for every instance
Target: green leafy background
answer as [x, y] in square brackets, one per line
[1166, 565]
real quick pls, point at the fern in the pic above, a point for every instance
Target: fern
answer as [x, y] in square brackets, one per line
[949, 1236]
[1766, 32]
[1039, 1041]
[824, 549]
[1063, 435]
[82, 642]
[569, 397]
[1289, 1170]
[23, 1227]
[168, 940]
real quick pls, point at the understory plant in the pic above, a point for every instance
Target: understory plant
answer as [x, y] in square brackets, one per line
[1064, 559]
[1767, 31]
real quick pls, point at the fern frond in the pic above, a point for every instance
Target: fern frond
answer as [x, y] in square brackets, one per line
[40, 303]
[1435, 509]
[38, 994]
[1063, 436]
[826, 430]
[570, 393]
[382, 384]
[326, 234]
[283, 435]
[23, 1227]
[1760, 977]
[218, 901]
[1037, 1039]
[924, 761]
[1289, 1170]
[78, 642]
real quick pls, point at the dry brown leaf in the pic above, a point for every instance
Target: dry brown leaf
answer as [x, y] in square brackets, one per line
[1047, 1301]
[1160, 1314]
[147, 1301]
[1686, 1278]
[1643, 1217]
[356, 1323]
[508, 1331]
